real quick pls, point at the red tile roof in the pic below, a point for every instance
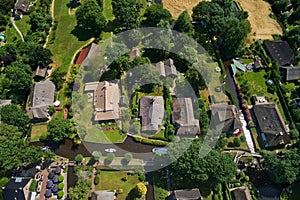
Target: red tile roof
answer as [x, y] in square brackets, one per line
[82, 55]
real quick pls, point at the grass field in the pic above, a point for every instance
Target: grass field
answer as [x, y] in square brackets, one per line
[263, 26]
[111, 180]
[243, 146]
[23, 24]
[37, 131]
[107, 10]
[11, 34]
[257, 83]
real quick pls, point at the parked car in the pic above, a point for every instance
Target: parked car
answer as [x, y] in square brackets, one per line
[44, 148]
[110, 150]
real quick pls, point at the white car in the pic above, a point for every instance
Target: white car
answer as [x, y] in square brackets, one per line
[110, 150]
[45, 148]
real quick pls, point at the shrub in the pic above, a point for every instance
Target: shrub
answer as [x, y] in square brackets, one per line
[119, 191]
[60, 178]
[294, 134]
[128, 157]
[60, 194]
[142, 177]
[79, 158]
[96, 180]
[98, 171]
[110, 156]
[147, 141]
[32, 185]
[236, 142]
[61, 186]
[243, 138]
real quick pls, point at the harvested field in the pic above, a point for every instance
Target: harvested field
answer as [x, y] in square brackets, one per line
[263, 26]
[177, 6]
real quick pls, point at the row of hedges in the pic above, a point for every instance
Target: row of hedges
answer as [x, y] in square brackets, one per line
[149, 141]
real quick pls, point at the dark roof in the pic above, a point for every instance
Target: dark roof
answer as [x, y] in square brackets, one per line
[225, 118]
[271, 125]
[241, 193]
[188, 194]
[14, 188]
[22, 5]
[168, 69]
[48, 193]
[292, 73]
[281, 52]
[58, 170]
[49, 184]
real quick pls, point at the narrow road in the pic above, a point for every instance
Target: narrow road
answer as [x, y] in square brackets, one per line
[247, 132]
[17, 29]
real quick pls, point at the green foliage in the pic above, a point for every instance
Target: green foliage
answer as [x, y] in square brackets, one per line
[128, 157]
[243, 138]
[140, 189]
[215, 168]
[142, 177]
[294, 133]
[60, 178]
[96, 155]
[14, 115]
[61, 186]
[79, 158]
[127, 13]
[96, 180]
[148, 141]
[236, 142]
[183, 24]
[52, 110]
[110, 156]
[60, 194]
[6, 6]
[90, 17]
[155, 14]
[59, 129]
[32, 185]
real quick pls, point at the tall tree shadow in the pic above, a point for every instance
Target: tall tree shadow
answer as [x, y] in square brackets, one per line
[81, 34]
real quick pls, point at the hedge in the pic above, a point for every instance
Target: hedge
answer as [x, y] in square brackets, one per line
[148, 141]
[96, 180]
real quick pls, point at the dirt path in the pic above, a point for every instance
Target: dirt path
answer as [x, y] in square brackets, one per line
[52, 15]
[16, 28]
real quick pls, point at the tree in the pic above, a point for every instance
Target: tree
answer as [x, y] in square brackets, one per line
[155, 13]
[236, 142]
[58, 78]
[110, 156]
[6, 6]
[183, 24]
[96, 180]
[141, 189]
[190, 170]
[127, 13]
[97, 155]
[90, 17]
[14, 115]
[59, 129]
[60, 194]
[128, 157]
[79, 158]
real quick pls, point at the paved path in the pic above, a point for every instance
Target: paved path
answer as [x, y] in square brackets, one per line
[17, 29]
[247, 132]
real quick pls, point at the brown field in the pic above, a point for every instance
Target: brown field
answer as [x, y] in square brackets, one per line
[177, 6]
[263, 26]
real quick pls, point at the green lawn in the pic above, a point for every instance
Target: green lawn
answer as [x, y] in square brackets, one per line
[111, 180]
[37, 131]
[107, 10]
[243, 146]
[257, 85]
[11, 34]
[23, 24]
[96, 135]
[256, 138]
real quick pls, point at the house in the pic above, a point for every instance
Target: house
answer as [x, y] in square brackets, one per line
[168, 69]
[270, 125]
[103, 195]
[291, 73]
[183, 117]
[16, 188]
[40, 72]
[134, 53]
[41, 97]
[281, 52]
[21, 7]
[105, 98]
[225, 118]
[151, 112]
[187, 194]
[241, 193]
[87, 53]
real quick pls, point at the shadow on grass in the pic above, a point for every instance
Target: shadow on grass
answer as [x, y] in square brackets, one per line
[81, 34]
[132, 194]
[107, 162]
[124, 161]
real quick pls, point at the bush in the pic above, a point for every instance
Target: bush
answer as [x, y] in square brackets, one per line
[32, 185]
[128, 157]
[294, 134]
[152, 142]
[110, 156]
[98, 171]
[120, 191]
[79, 158]
[96, 180]
[236, 142]
[61, 186]
[142, 177]
[60, 178]
[243, 138]
[60, 194]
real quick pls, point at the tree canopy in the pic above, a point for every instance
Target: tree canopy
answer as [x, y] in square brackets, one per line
[90, 17]
[156, 13]
[59, 129]
[183, 24]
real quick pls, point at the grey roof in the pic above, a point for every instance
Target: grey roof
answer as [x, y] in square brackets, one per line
[41, 97]
[22, 5]
[14, 188]
[103, 195]
[94, 50]
[292, 73]
[188, 194]
[168, 69]
[271, 125]
[241, 193]
[225, 118]
[281, 52]
[41, 71]
[183, 116]
[151, 112]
